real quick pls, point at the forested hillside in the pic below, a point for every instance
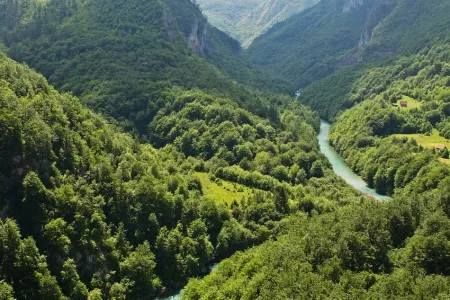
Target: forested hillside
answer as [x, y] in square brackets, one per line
[94, 207]
[161, 151]
[335, 34]
[389, 143]
[396, 249]
[119, 57]
[411, 27]
[372, 250]
[246, 20]
[87, 210]
[391, 113]
[312, 44]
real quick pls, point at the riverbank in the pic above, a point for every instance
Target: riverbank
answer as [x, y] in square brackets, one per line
[340, 167]
[176, 294]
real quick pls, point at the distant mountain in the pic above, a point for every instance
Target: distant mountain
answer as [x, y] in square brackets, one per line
[334, 34]
[246, 20]
[317, 42]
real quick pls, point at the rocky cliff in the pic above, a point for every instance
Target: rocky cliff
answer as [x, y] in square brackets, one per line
[187, 18]
[351, 4]
[378, 10]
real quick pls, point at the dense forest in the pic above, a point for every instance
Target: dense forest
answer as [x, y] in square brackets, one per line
[94, 207]
[313, 44]
[150, 149]
[391, 126]
[386, 142]
[396, 249]
[336, 34]
[89, 210]
[371, 250]
[120, 60]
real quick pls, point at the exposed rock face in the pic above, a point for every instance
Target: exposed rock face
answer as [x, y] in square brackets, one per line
[197, 37]
[195, 30]
[271, 10]
[352, 4]
[366, 37]
[168, 21]
[378, 10]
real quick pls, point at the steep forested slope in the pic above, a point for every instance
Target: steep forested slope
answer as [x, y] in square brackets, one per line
[411, 26]
[88, 211]
[119, 57]
[364, 133]
[392, 250]
[313, 44]
[393, 130]
[246, 20]
[334, 34]
[91, 199]
[396, 249]
[103, 215]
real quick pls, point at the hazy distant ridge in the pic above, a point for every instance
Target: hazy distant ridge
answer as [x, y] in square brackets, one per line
[245, 20]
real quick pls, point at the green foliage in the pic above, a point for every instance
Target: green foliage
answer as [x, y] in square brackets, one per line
[337, 34]
[396, 80]
[362, 133]
[409, 27]
[105, 216]
[22, 267]
[71, 283]
[119, 58]
[383, 250]
[103, 208]
[219, 131]
[138, 272]
[312, 44]
[6, 291]
[364, 250]
[96, 202]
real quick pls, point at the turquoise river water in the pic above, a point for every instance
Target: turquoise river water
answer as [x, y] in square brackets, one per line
[175, 295]
[339, 167]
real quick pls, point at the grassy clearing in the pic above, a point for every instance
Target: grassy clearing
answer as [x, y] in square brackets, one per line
[412, 103]
[223, 191]
[428, 141]
[445, 161]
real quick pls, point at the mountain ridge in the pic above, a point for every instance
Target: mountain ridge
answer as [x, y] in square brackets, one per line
[249, 20]
[344, 33]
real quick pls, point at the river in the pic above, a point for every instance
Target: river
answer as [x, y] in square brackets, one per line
[340, 167]
[176, 294]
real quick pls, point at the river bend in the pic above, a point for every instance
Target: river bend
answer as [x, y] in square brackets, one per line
[340, 167]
